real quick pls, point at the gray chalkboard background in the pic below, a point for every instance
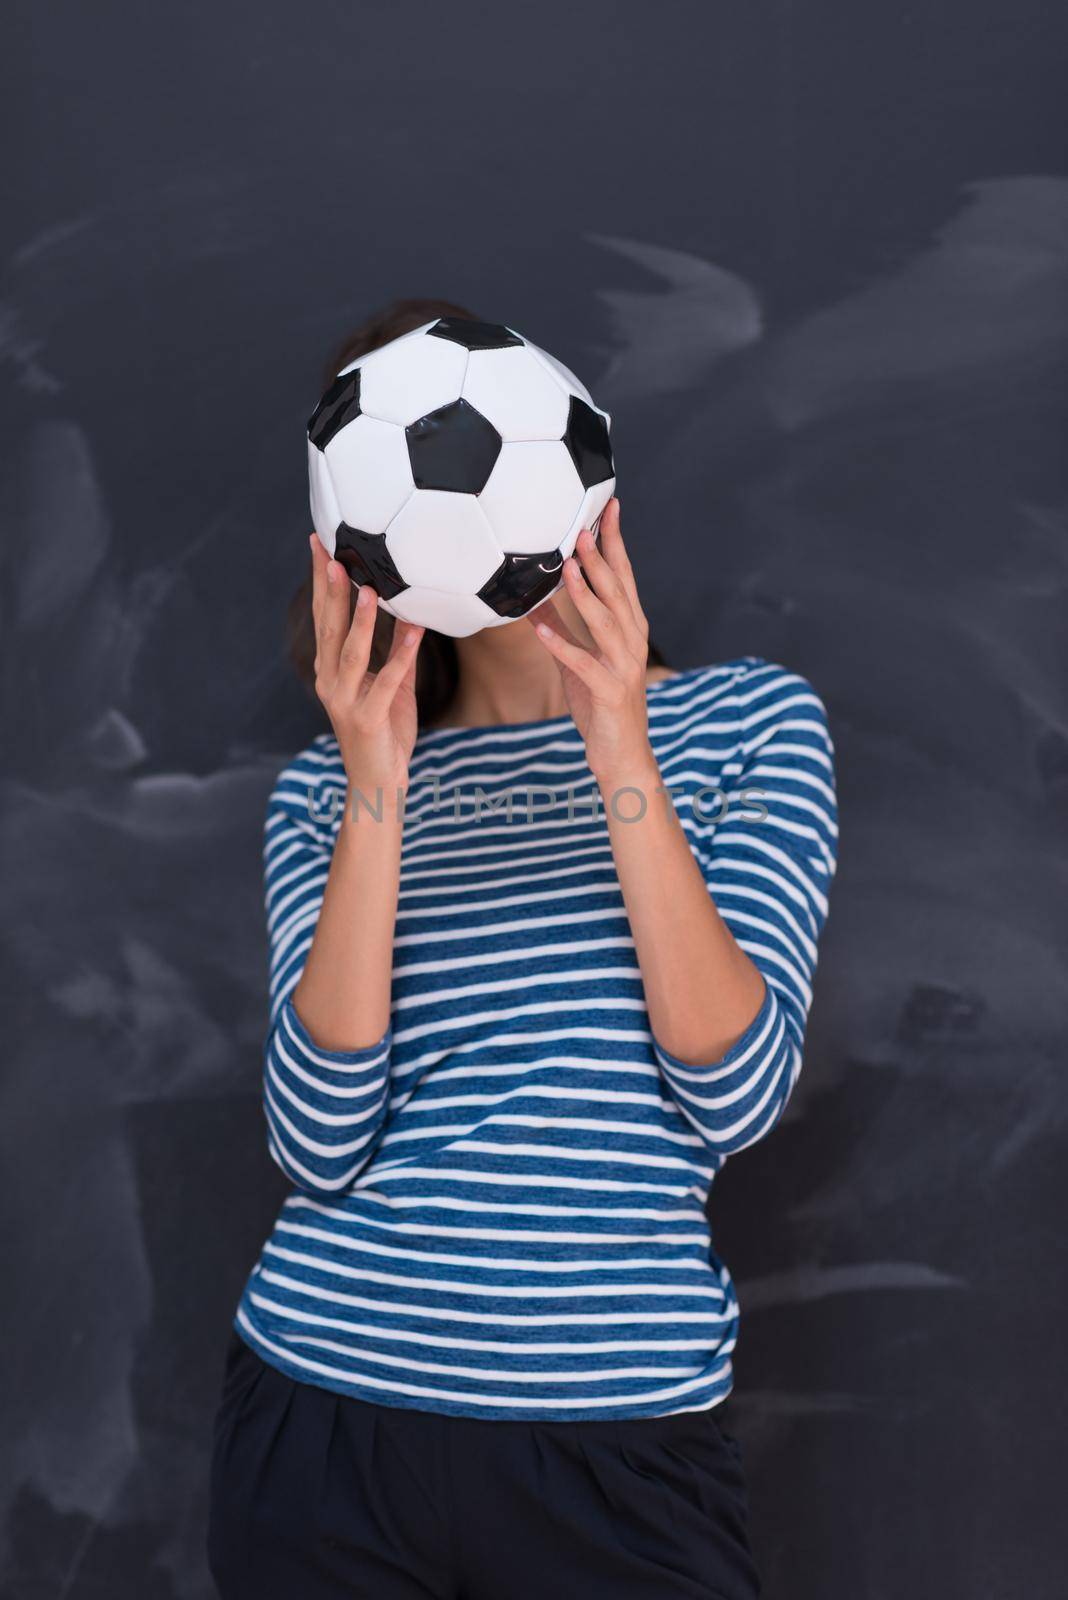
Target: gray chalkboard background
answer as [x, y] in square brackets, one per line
[814, 260]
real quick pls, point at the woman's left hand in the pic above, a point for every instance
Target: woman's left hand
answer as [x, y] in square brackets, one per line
[605, 685]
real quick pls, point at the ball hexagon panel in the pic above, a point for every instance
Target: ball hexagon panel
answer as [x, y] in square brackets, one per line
[587, 440]
[589, 514]
[472, 335]
[455, 614]
[368, 465]
[453, 448]
[563, 375]
[366, 559]
[325, 511]
[532, 496]
[442, 540]
[521, 582]
[515, 391]
[339, 405]
[416, 333]
[406, 379]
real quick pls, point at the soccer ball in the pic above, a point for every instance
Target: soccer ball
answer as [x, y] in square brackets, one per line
[453, 469]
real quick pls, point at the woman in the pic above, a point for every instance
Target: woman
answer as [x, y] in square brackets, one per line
[525, 1001]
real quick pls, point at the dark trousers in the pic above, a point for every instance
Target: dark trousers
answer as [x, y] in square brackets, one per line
[317, 1496]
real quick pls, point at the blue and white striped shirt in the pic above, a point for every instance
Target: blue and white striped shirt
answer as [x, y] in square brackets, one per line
[499, 1209]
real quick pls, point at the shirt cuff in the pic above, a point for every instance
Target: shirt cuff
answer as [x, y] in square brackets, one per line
[312, 1051]
[742, 1046]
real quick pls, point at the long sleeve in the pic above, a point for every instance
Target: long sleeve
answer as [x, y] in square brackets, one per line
[325, 1108]
[769, 879]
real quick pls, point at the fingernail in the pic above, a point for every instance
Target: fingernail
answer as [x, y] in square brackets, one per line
[544, 629]
[312, 539]
[331, 572]
[362, 597]
[412, 636]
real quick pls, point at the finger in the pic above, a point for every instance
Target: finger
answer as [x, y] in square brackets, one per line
[609, 588]
[319, 558]
[408, 679]
[615, 553]
[547, 613]
[356, 650]
[603, 623]
[400, 662]
[397, 636]
[332, 626]
[602, 684]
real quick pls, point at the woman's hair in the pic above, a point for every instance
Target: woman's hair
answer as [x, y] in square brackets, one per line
[437, 673]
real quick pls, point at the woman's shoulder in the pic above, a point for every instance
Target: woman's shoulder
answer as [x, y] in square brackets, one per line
[760, 723]
[739, 684]
[744, 702]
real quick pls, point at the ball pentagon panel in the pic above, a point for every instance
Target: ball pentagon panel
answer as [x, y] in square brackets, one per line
[338, 407]
[587, 441]
[522, 582]
[471, 335]
[366, 559]
[453, 448]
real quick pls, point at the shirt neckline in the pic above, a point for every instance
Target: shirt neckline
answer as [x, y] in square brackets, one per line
[545, 723]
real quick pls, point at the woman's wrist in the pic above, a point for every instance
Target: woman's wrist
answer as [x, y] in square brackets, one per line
[376, 776]
[631, 770]
[376, 799]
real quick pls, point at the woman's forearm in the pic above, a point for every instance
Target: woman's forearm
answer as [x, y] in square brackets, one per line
[701, 990]
[343, 997]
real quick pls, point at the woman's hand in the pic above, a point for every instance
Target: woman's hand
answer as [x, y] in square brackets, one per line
[373, 714]
[605, 686]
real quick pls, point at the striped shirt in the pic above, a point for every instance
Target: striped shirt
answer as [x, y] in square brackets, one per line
[499, 1209]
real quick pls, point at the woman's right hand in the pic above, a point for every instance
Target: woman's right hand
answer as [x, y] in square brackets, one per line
[373, 714]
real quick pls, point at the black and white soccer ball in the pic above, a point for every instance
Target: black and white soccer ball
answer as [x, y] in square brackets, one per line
[453, 469]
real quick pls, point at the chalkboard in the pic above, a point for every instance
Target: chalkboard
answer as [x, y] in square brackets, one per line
[814, 261]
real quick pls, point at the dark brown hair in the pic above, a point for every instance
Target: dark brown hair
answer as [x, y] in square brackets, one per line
[437, 673]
